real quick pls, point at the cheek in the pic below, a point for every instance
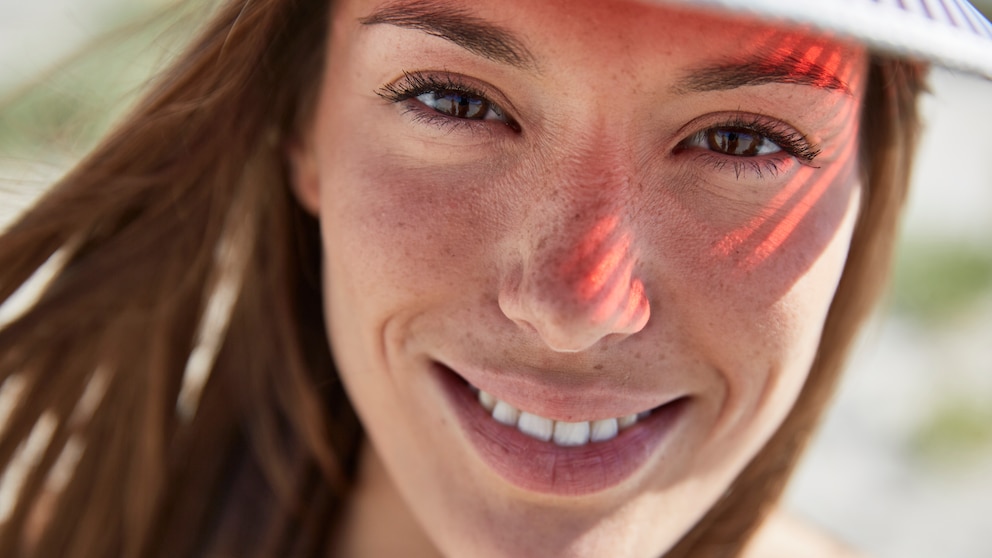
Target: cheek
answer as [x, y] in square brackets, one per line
[406, 230]
[759, 307]
[398, 233]
[757, 249]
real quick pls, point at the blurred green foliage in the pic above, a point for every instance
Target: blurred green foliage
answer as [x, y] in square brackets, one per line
[954, 429]
[938, 280]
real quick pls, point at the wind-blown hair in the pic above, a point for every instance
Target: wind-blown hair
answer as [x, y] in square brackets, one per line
[172, 392]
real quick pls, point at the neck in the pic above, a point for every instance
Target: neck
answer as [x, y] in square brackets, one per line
[377, 522]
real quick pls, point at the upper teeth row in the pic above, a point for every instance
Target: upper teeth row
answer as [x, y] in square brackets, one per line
[560, 432]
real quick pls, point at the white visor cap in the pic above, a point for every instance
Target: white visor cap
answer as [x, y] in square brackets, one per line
[950, 33]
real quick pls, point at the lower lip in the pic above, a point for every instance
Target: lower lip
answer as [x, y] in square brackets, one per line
[547, 468]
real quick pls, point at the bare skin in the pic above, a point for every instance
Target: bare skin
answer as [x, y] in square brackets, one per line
[603, 208]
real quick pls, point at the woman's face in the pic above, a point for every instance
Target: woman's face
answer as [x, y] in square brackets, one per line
[588, 210]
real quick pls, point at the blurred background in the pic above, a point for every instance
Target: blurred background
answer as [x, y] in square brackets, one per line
[902, 467]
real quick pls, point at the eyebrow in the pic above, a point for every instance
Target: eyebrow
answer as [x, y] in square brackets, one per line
[457, 25]
[788, 69]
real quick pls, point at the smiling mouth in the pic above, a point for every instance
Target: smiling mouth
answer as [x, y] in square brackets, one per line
[548, 456]
[561, 433]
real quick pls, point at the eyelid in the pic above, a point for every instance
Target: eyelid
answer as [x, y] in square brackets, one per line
[792, 141]
[413, 83]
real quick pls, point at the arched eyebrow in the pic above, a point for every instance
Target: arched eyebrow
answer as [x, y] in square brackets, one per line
[759, 70]
[455, 24]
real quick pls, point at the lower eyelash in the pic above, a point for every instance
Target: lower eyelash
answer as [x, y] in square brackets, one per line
[427, 116]
[759, 168]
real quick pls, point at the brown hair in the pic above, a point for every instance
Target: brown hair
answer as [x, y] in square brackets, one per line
[187, 205]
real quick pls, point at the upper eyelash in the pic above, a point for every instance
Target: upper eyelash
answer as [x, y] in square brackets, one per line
[412, 85]
[789, 139]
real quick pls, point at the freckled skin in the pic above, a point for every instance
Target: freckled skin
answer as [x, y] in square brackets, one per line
[584, 246]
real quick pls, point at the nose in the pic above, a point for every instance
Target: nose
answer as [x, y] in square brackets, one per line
[577, 284]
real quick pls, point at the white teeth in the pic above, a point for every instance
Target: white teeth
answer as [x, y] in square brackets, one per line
[603, 430]
[571, 433]
[627, 421]
[560, 432]
[535, 426]
[487, 401]
[505, 413]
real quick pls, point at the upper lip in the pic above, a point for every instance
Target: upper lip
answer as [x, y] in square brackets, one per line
[569, 397]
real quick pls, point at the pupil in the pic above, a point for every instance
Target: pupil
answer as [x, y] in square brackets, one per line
[460, 105]
[734, 142]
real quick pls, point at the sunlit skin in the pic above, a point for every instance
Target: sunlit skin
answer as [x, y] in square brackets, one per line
[582, 252]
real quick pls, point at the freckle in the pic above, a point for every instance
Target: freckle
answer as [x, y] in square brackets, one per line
[637, 355]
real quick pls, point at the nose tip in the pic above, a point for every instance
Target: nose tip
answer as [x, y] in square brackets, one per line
[575, 294]
[574, 325]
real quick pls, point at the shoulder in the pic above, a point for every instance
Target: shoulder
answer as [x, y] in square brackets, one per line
[786, 536]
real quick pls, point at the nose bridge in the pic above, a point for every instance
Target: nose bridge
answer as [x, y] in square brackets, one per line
[577, 279]
[585, 257]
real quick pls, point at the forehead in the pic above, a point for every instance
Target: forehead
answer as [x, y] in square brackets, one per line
[690, 48]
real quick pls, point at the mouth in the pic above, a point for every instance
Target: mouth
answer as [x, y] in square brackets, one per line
[566, 458]
[561, 433]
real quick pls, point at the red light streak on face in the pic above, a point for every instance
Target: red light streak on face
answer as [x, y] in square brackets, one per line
[812, 59]
[800, 195]
[791, 220]
[733, 241]
[786, 44]
[832, 65]
[575, 290]
[802, 57]
[620, 293]
[596, 258]
[785, 212]
[600, 272]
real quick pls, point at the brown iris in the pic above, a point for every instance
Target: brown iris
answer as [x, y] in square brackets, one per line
[736, 141]
[457, 104]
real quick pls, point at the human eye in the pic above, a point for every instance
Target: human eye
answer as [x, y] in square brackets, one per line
[445, 101]
[751, 142]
